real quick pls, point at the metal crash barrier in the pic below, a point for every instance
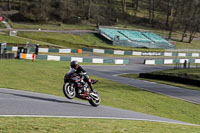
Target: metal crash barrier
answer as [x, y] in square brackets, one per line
[3, 52]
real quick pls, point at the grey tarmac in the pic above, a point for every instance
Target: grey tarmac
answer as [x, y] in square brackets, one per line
[113, 72]
[31, 104]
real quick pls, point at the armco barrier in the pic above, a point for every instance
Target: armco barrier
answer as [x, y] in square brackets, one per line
[169, 61]
[79, 59]
[47, 50]
[116, 52]
[138, 53]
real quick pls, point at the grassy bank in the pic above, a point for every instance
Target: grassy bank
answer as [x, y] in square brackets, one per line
[67, 40]
[184, 73]
[91, 40]
[51, 26]
[79, 41]
[60, 125]
[47, 77]
[76, 40]
[19, 40]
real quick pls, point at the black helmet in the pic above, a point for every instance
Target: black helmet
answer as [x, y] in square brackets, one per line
[74, 64]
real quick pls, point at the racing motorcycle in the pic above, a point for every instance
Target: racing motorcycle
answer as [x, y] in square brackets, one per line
[75, 86]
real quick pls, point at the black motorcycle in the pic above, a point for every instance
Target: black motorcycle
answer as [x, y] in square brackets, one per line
[75, 86]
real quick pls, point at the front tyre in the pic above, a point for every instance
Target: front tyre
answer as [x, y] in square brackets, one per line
[69, 91]
[95, 98]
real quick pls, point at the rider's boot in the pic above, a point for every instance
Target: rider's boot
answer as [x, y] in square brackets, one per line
[90, 85]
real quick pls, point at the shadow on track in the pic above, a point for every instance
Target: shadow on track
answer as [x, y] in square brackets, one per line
[46, 99]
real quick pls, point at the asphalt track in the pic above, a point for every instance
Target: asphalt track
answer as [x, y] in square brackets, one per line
[30, 104]
[113, 72]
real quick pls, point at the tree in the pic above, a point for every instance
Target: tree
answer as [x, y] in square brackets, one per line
[188, 16]
[169, 8]
[123, 6]
[89, 9]
[9, 5]
[35, 10]
[194, 24]
[174, 18]
[135, 4]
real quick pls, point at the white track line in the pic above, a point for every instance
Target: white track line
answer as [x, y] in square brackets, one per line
[115, 75]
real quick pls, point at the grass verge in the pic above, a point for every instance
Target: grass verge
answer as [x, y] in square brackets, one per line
[47, 77]
[60, 125]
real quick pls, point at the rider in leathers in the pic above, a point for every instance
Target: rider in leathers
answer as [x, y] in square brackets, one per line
[81, 71]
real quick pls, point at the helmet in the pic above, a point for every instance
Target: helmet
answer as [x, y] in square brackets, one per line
[74, 64]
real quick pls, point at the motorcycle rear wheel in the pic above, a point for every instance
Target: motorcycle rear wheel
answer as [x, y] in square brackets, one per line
[69, 91]
[95, 99]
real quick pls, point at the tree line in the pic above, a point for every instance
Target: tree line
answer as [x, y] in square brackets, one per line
[183, 15]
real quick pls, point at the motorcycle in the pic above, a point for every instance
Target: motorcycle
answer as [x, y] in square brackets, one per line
[75, 86]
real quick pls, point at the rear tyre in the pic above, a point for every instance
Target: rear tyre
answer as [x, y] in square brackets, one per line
[69, 91]
[95, 98]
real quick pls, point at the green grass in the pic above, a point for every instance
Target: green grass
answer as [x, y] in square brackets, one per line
[47, 77]
[17, 40]
[51, 26]
[185, 73]
[62, 125]
[194, 45]
[2, 26]
[76, 40]
[67, 40]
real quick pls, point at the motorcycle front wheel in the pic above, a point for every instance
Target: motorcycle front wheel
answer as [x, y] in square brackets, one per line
[95, 98]
[69, 91]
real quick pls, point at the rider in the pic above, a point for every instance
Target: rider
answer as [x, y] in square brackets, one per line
[81, 71]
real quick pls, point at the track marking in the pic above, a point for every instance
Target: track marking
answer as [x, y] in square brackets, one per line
[115, 75]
